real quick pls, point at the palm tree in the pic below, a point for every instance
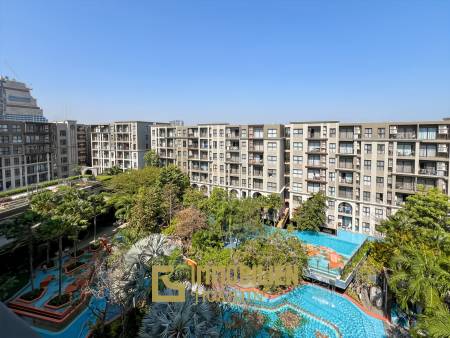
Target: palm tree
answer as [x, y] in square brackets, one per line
[435, 324]
[183, 319]
[420, 277]
[122, 203]
[22, 230]
[98, 207]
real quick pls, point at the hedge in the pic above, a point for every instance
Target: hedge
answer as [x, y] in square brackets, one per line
[40, 185]
[357, 257]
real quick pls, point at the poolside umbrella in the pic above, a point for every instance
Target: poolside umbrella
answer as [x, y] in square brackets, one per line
[335, 260]
[13, 326]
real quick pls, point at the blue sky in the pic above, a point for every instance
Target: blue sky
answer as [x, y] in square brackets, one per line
[238, 61]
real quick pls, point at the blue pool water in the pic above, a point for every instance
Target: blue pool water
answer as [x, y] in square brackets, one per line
[322, 308]
[345, 243]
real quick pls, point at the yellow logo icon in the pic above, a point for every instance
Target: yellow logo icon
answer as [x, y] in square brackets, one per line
[156, 297]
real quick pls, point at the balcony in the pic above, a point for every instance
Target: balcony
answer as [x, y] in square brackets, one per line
[316, 178]
[346, 165]
[405, 186]
[255, 161]
[428, 171]
[232, 148]
[256, 148]
[405, 136]
[233, 159]
[346, 180]
[345, 210]
[317, 150]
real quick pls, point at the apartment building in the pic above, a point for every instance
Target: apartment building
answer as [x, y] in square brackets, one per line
[66, 163]
[366, 170]
[84, 145]
[122, 144]
[16, 102]
[26, 153]
[246, 160]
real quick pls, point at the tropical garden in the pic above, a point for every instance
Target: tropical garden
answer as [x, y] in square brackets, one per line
[166, 222]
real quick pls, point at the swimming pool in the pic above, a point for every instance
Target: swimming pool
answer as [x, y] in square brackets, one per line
[328, 254]
[326, 312]
[344, 243]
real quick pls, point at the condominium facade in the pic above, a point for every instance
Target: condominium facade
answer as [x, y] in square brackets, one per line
[66, 163]
[84, 145]
[365, 169]
[246, 160]
[122, 144]
[16, 102]
[26, 153]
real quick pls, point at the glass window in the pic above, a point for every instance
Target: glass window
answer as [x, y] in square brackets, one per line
[272, 133]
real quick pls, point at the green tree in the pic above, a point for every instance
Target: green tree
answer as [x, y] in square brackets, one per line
[173, 175]
[21, 229]
[272, 204]
[98, 206]
[147, 212]
[151, 159]
[311, 214]
[131, 181]
[420, 276]
[268, 251]
[195, 198]
[171, 201]
[122, 204]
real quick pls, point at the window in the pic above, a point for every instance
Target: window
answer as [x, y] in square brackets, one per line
[332, 177]
[297, 172]
[298, 159]
[331, 204]
[332, 191]
[271, 159]
[366, 211]
[366, 196]
[297, 132]
[62, 133]
[297, 187]
[366, 227]
[367, 180]
[378, 213]
[244, 157]
[332, 132]
[381, 132]
[367, 149]
[313, 187]
[427, 150]
[367, 164]
[427, 133]
[380, 165]
[368, 132]
[271, 145]
[379, 197]
[381, 149]
[3, 127]
[298, 146]
[16, 128]
[17, 139]
[332, 147]
[272, 133]
[271, 172]
[380, 180]
[332, 161]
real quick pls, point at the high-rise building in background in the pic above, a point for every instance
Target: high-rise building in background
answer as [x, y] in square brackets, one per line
[367, 170]
[119, 144]
[16, 102]
[26, 153]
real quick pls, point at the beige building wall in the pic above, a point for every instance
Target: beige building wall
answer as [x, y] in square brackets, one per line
[366, 170]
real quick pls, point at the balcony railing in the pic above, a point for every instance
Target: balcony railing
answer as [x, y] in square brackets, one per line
[346, 180]
[405, 186]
